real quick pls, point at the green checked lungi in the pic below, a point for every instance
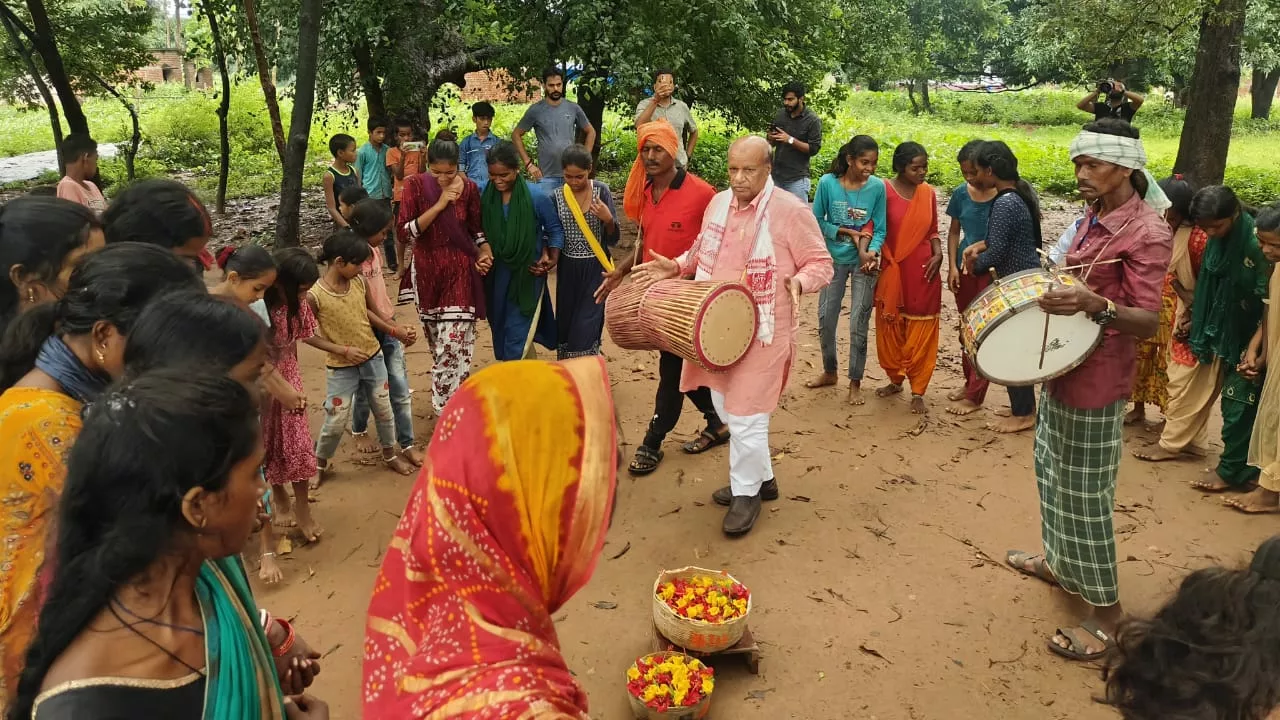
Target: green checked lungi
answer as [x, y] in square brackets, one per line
[1077, 460]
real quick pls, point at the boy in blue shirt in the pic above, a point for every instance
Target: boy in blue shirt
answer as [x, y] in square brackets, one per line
[371, 164]
[475, 147]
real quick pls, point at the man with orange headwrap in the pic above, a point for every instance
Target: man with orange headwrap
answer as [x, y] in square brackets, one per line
[668, 202]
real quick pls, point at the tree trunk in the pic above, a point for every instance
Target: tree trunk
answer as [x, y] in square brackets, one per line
[180, 44]
[593, 103]
[37, 79]
[911, 95]
[224, 108]
[44, 44]
[135, 139]
[1263, 92]
[925, 104]
[264, 77]
[1206, 131]
[304, 99]
[373, 98]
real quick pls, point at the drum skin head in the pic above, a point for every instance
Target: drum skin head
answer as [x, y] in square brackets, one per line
[726, 328]
[1010, 353]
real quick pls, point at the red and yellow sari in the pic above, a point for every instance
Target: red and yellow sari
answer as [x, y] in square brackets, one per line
[908, 305]
[505, 524]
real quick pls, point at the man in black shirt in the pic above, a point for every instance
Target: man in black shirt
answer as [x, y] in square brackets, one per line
[1117, 101]
[796, 136]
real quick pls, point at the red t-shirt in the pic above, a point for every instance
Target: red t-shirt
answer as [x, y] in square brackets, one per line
[669, 226]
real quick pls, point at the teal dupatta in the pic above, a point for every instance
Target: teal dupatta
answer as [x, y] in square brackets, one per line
[241, 683]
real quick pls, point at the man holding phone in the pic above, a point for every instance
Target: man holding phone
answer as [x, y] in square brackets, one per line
[1111, 100]
[796, 136]
[663, 106]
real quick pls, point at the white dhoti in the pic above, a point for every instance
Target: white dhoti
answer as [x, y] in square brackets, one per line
[750, 465]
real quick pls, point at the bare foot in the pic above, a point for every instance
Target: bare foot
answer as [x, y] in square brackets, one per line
[1259, 501]
[365, 445]
[917, 405]
[888, 390]
[414, 455]
[1002, 412]
[1136, 415]
[307, 525]
[283, 519]
[956, 395]
[1211, 483]
[323, 471]
[269, 572]
[963, 407]
[1159, 454]
[826, 379]
[1012, 424]
[398, 464]
[855, 395]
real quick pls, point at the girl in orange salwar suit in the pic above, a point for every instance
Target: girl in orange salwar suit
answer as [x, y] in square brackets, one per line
[505, 524]
[909, 292]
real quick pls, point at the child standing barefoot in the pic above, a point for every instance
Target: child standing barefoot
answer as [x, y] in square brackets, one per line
[290, 458]
[346, 316]
[372, 221]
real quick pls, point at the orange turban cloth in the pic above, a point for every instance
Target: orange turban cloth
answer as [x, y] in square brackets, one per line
[661, 132]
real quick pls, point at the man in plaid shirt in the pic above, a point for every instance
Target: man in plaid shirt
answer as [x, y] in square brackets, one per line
[1124, 246]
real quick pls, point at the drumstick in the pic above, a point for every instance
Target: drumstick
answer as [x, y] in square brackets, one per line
[1044, 341]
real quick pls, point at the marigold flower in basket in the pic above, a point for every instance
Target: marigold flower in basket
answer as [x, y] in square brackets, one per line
[708, 599]
[670, 680]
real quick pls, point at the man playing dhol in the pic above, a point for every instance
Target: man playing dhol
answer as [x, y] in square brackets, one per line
[770, 241]
[668, 203]
[1124, 247]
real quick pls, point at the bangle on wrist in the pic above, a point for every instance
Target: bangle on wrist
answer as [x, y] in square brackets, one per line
[287, 645]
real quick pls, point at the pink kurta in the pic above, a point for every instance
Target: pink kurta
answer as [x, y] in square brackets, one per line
[755, 384]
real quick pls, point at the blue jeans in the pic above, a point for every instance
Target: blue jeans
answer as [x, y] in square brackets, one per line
[799, 188]
[398, 385]
[341, 386]
[830, 298]
[551, 184]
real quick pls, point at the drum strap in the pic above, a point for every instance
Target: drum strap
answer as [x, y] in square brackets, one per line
[572, 202]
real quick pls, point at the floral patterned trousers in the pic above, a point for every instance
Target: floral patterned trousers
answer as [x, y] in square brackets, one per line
[453, 342]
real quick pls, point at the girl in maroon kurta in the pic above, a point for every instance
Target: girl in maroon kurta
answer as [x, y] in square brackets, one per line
[440, 221]
[909, 293]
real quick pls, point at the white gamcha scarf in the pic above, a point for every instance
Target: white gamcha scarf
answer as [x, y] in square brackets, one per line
[761, 273]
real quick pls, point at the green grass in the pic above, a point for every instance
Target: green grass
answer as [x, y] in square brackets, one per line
[180, 136]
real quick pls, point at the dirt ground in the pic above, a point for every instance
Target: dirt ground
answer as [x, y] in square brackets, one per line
[878, 585]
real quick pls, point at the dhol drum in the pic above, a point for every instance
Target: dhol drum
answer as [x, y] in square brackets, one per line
[622, 318]
[1004, 331]
[708, 323]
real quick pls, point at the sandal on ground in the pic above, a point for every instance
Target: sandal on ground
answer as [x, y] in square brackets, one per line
[706, 441]
[1018, 560]
[1072, 653]
[646, 461]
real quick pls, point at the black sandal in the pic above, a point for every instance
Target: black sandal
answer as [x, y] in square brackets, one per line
[706, 440]
[1071, 653]
[646, 461]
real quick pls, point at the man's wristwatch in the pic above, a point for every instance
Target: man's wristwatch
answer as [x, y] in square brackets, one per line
[791, 140]
[1106, 316]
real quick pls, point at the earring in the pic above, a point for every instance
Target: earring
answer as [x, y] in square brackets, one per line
[203, 521]
[102, 357]
[31, 296]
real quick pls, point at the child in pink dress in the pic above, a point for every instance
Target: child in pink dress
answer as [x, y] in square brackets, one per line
[290, 451]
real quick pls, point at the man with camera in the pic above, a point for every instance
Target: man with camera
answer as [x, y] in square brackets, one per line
[663, 106]
[1111, 100]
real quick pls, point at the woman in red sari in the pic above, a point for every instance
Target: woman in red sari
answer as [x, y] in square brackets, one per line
[439, 223]
[505, 524]
[909, 292]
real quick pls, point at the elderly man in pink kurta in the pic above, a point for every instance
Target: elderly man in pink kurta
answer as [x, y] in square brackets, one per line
[770, 241]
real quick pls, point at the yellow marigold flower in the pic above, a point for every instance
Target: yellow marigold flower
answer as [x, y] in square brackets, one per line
[668, 591]
[651, 692]
[708, 684]
[695, 611]
[740, 604]
[683, 602]
[714, 611]
[633, 673]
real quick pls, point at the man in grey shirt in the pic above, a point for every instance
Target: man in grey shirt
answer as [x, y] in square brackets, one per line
[555, 121]
[662, 106]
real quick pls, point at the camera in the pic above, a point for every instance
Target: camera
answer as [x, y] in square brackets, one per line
[1105, 87]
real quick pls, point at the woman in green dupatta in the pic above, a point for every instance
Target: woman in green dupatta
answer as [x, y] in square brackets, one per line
[149, 613]
[523, 229]
[1225, 313]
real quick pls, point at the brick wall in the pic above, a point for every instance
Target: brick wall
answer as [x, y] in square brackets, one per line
[492, 85]
[166, 66]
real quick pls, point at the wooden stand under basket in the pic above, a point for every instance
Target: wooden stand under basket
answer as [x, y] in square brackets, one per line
[747, 648]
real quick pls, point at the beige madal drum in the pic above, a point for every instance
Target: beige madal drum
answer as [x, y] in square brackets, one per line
[1004, 331]
[622, 318]
[705, 322]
